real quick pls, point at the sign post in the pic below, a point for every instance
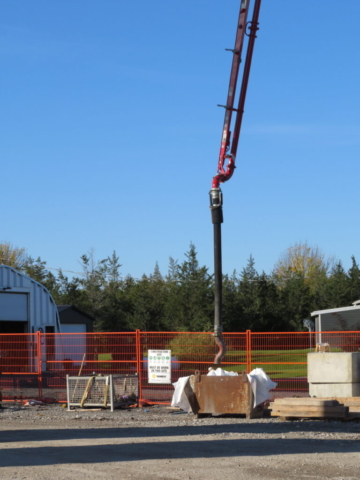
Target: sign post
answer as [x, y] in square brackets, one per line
[159, 366]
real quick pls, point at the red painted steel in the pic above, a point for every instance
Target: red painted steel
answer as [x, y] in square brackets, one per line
[248, 351]
[35, 365]
[39, 361]
[253, 27]
[138, 363]
[224, 174]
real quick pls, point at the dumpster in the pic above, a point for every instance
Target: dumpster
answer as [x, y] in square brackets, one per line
[221, 395]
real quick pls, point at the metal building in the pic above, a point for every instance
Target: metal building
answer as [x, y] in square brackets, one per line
[75, 320]
[335, 319]
[26, 306]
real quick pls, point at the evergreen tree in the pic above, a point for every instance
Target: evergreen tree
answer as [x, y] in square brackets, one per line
[115, 307]
[232, 312]
[269, 313]
[92, 282]
[70, 292]
[337, 288]
[148, 297]
[259, 305]
[247, 294]
[353, 282]
[297, 302]
[189, 305]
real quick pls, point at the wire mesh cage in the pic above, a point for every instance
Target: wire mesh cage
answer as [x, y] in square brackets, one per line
[102, 391]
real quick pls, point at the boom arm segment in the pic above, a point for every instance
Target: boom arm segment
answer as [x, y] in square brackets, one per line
[224, 174]
[229, 107]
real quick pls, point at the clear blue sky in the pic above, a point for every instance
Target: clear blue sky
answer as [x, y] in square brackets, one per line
[110, 131]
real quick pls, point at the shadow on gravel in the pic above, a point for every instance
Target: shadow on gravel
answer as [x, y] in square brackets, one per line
[90, 454]
[254, 427]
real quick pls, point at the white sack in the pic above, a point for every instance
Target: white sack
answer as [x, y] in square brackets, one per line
[219, 372]
[261, 385]
[179, 398]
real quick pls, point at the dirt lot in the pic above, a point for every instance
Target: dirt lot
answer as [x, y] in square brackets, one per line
[153, 443]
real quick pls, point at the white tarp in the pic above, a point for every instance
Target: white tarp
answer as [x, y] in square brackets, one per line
[179, 398]
[260, 383]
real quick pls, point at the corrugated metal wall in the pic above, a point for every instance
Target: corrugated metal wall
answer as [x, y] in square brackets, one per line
[42, 310]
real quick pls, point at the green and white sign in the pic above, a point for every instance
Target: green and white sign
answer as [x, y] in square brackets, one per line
[159, 366]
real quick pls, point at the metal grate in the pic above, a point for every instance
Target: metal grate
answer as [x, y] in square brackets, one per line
[126, 389]
[102, 391]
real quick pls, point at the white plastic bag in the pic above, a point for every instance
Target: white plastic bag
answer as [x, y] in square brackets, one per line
[219, 372]
[261, 385]
[179, 398]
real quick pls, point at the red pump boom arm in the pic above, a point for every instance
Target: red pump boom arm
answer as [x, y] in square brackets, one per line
[228, 151]
[224, 173]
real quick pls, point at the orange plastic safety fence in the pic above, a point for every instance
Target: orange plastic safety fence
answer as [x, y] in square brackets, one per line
[36, 364]
[85, 354]
[19, 365]
[18, 353]
[283, 356]
[339, 341]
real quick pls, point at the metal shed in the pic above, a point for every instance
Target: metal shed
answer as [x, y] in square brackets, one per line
[26, 306]
[337, 319]
[75, 320]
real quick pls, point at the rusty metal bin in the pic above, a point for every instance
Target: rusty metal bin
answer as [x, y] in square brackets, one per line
[221, 395]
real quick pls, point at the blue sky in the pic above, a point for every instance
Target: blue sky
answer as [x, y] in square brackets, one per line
[110, 131]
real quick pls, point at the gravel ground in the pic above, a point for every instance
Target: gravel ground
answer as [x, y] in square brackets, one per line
[48, 442]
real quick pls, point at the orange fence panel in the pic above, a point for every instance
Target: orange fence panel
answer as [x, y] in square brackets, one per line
[339, 341]
[283, 356]
[36, 365]
[19, 353]
[84, 353]
[189, 352]
[19, 365]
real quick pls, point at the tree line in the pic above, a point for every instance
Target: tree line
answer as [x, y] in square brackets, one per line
[303, 280]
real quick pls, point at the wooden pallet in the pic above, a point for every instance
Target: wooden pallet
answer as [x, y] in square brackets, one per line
[288, 408]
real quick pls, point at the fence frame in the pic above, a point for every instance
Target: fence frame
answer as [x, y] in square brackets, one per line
[273, 351]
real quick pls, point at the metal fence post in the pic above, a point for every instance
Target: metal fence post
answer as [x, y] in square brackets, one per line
[39, 362]
[138, 362]
[248, 351]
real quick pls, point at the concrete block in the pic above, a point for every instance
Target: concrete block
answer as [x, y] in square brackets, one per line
[323, 390]
[329, 367]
